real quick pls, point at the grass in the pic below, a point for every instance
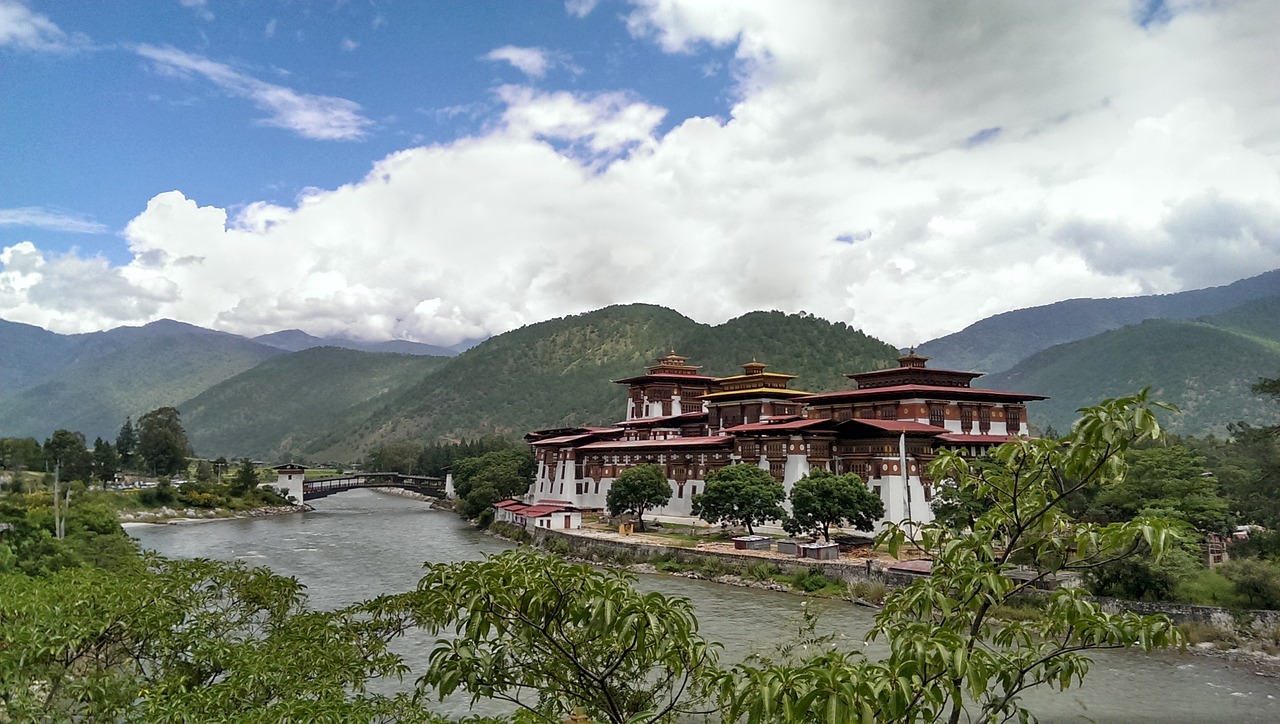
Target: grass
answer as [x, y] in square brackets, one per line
[1208, 588]
[867, 590]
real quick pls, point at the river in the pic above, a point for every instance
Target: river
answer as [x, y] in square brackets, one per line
[361, 544]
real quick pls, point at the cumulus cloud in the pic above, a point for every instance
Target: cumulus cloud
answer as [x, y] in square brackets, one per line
[580, 8]
[51, 219]
[21, 28]
[905, 167]
[318, 117]
[201, 8]
[533, 62]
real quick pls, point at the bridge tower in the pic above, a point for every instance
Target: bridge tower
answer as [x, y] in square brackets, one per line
[289, 477]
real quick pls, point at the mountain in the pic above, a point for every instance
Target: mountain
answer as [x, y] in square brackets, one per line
[90, 382]
[558, 373]
[296, 340]
[997, 343]
[266, 410]
[1205, 366]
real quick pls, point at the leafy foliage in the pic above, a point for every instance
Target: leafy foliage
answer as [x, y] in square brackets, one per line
[823, 499]
[637, 489]
[162, 441]
[741, 494]
[948, 661]
[484, 480]
[189, 641]
[554, 637]
[1172, 482]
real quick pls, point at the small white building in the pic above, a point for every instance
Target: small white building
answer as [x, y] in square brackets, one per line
[549, 514]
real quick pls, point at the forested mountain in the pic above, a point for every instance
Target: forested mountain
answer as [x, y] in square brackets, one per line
[1205, 367]
[558, 372]
[29, 355]
[998, 343]
[90, 382]
[296, 340]
[265, 411]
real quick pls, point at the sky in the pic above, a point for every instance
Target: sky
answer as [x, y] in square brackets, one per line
[445, 171]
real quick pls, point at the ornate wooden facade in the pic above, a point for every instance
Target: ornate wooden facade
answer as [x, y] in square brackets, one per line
[887, 429]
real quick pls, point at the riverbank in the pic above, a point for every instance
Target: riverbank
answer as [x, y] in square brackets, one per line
[175, 516]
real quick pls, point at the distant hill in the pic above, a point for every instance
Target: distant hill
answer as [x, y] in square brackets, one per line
[90, 382]
[296, 340]
[998, 343]
[1205, 367]
[265, 411]
[559, 372]
[29, 355]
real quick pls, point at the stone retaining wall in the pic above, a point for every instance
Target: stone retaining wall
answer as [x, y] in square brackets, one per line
[598, 548]
[1248, 622]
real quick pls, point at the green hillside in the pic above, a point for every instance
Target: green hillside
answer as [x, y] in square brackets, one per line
[999, 342]
[127, 372]
[1204, 369]
[265, 411]
[558, 373]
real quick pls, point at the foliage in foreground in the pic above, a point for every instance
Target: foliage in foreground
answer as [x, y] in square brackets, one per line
[948, 660]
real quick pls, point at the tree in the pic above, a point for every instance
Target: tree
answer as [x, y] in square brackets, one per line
[162, 443]
[1256, 580]
[106, 463]
[190, 641]
[638, 489]
[822, 499]
[948, 661]
[554, 637]
[741, 494]
[127, 442]
[1168, 481]
[67, 449]
[484, 480]
[245, 478]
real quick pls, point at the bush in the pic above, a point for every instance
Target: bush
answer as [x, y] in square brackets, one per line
[868, 590]
[811, 580]
[1197, 633]
[484, 519]
[1208, 588]
[558, 546]
[762, 572]
[1255, 580]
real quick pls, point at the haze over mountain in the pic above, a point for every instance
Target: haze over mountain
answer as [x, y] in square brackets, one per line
[296, 340]
[998, 343]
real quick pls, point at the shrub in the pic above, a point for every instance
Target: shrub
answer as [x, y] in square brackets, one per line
[762, 572]
[485, 518]
[868, 590]
[1256, 580]
[1208, 588]
[558, 546]
[1197, 633]
[811, 580]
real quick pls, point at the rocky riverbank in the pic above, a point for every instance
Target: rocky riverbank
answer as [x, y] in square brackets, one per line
[195, 515]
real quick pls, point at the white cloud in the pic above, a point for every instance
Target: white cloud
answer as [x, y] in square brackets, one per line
[348, 44]
[311, 116]
[904, 167]
[533, 62]
[24, 29]
[270, 30]
[201, 8]
[580, 8]
[51, 219]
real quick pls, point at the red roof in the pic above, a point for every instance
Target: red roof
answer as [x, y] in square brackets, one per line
[683, 417]
[510, 504]
[910, 391]
[537, 511]
[769, 425]
[897, 426]
[963, 439]
[666, 377]
[720, 440]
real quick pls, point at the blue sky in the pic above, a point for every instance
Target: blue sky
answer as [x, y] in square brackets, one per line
[446, 170]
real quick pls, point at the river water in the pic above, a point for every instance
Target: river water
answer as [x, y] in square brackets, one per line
[361, 544]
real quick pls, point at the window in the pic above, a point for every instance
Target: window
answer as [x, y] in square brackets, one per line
[984, 420]
[1013, 420]
[937, 415]
[889, 412]
[966, 418]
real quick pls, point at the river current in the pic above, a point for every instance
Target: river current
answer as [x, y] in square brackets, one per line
[362, 544]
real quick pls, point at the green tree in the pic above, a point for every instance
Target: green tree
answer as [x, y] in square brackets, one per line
[822, 499]
[1144, 577]
[127, 442]
[1256, 580]
[947, 660]
[484, 480]
[1172, 482]
[245, 479]
[204, 471]
[189, 641]
[638, 489]
[67, 449]
[106, 463]
[554, 637]
[162, 443]
[21, 453]
[741, 494]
